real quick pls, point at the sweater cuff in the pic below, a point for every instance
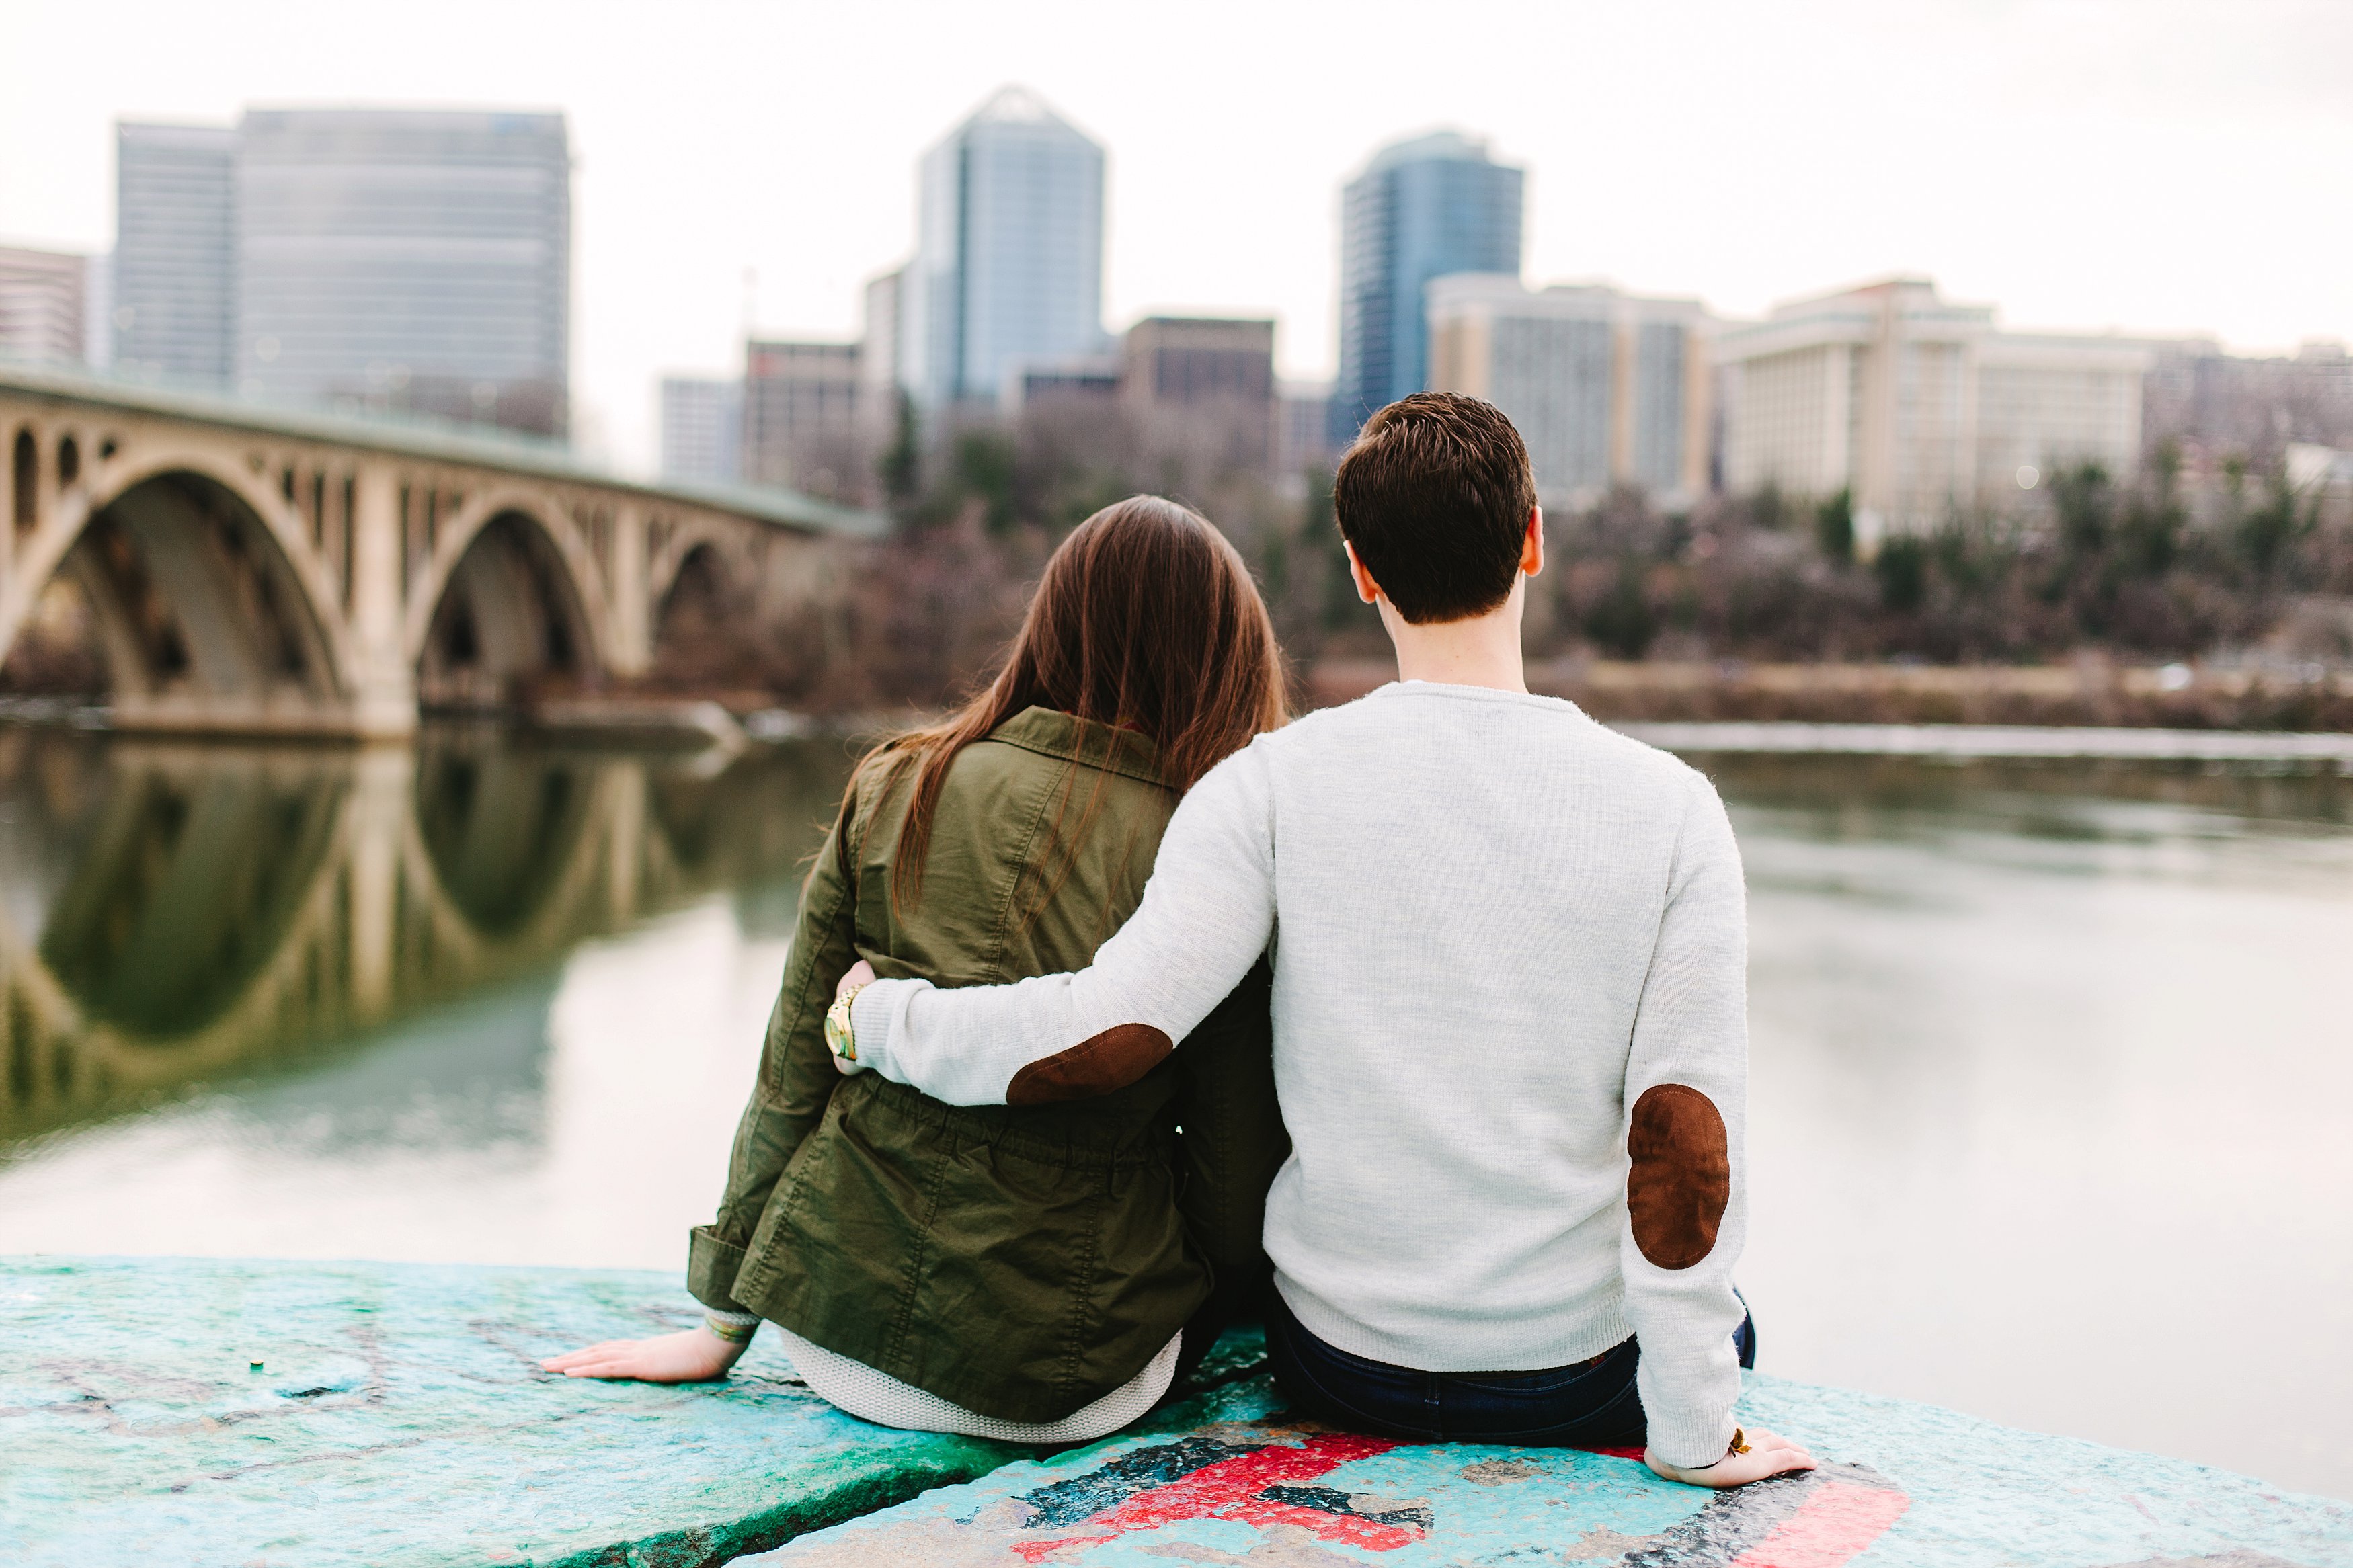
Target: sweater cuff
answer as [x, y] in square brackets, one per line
[872, 1016]
[712, 1266]
[1690, 1441]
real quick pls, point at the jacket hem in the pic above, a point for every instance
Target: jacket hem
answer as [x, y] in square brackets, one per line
[712, 1266]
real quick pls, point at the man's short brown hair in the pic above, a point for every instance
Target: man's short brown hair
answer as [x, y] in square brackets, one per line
[1434, 498]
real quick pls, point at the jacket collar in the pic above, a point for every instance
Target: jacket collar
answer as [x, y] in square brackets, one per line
[1052, 733]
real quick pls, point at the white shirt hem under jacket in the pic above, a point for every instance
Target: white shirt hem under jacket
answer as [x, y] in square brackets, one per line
[858, 1390]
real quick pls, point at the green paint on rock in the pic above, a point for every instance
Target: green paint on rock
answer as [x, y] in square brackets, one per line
[400, 1417]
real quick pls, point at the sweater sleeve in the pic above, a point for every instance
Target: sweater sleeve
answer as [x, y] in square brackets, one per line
[796, 1077]
[1685, 1112]
[1205, 918]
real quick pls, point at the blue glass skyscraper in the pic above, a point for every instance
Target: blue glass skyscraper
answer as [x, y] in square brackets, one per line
[1421, 209]
[1008, 258]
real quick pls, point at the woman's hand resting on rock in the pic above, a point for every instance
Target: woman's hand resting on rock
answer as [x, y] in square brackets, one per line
[698, 1355]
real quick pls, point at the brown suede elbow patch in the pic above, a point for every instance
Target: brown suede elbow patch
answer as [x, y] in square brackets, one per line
[1682, 1175]
[1112, 1059]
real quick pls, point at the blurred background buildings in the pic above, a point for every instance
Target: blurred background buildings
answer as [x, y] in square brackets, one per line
[419, 263]
[371, 260]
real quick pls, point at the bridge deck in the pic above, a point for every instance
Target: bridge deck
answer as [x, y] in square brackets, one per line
[398, 1417]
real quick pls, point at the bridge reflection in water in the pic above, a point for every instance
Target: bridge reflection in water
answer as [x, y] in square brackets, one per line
[175, 914]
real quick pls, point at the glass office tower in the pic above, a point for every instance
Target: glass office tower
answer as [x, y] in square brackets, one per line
[1421, 209]
[1008, 258]
[175, 252]
[414, 260]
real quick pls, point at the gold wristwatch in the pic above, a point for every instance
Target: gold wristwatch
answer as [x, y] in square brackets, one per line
[839, 1037]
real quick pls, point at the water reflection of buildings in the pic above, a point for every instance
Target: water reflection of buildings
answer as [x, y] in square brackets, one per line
[175, 913]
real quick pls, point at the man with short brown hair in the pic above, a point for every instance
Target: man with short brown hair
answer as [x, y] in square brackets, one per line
[1510, 1030]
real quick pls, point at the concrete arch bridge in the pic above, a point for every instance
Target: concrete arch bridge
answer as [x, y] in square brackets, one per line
[258, 571]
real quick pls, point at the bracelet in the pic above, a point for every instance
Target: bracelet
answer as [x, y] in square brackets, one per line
[734, 1331]
[840, 1038]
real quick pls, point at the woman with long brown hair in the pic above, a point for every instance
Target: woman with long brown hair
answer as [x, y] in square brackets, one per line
[1022, 1271]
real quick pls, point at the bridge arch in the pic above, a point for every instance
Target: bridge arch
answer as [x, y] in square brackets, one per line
[208, 597]
[507, 598]
[323, 593]
[680, 543]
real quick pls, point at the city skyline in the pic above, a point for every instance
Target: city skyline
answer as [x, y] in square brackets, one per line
[2050, 156]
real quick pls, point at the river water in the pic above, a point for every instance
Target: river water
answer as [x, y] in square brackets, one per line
[2052, 1060]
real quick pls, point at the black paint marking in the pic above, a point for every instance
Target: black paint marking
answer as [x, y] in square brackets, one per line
[1083, 1497]
[1326, 1500]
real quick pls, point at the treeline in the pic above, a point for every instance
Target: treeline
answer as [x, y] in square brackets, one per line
[2106, 565]
[2109, 565]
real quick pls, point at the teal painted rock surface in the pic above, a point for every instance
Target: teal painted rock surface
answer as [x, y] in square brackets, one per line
[399, 1417]
[1902, 1485]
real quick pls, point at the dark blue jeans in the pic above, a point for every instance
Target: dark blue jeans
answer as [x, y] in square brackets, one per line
[1592, 1405]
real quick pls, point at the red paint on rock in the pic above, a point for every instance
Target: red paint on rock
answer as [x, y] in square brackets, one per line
[1229, 1489]
[1828, 1528]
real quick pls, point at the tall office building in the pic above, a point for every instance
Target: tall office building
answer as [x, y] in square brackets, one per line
[1008, 256]
[1918, 405]
[418, 260]
[1605, 387]
[701, 430]
[44, 300]
[174, 309]
[802, 428]
[1421, 209]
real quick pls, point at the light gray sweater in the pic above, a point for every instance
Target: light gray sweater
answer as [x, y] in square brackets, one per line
[1512, 949]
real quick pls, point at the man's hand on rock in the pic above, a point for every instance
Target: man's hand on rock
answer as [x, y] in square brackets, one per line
[698, 1355]
[1769, 1455]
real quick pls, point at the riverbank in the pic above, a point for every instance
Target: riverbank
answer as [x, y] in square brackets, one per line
[2089, 692]
[324, 1414]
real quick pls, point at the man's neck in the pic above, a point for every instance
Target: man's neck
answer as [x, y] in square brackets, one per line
[1484, 650]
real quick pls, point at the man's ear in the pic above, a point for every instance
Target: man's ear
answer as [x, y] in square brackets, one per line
[1532, 547]
[1366, 589]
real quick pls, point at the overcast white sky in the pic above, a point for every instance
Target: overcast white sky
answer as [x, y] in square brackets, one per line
[2155, 165]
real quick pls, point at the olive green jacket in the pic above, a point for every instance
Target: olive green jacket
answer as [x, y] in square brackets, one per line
[1019, 1261]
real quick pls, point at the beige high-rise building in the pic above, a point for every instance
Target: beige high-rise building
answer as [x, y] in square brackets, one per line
[1605, 387]
[1919, 406]
[43, 296]
[802, 426]
[1203, 387]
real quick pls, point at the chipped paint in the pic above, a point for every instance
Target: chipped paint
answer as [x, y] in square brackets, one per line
[1904, 1486]
[399, 1418]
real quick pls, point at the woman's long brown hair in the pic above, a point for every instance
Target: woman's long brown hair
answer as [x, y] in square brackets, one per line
[1145, 619]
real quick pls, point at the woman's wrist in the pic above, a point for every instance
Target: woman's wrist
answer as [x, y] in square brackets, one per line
[734, 1329]
[840, 1033]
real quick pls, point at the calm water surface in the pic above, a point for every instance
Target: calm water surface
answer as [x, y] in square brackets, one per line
[2052, 1062]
